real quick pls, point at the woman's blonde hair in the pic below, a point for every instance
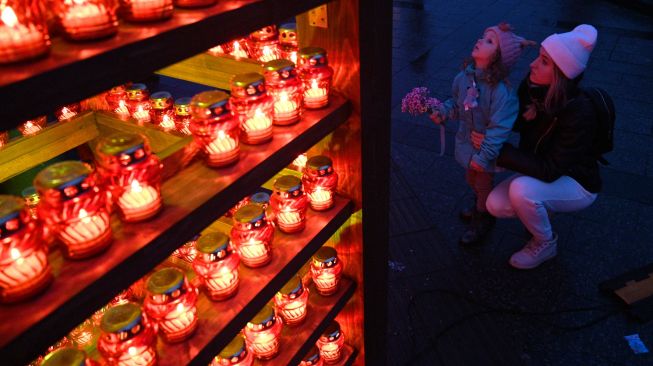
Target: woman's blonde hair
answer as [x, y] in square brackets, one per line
[556, 96]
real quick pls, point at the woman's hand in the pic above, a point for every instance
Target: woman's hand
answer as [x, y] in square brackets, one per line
[436, 117]
[477, 139]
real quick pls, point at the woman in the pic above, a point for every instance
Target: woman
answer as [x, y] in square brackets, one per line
[556, 163]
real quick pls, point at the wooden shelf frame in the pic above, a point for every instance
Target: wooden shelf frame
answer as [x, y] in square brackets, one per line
[74, 70]
[193, 199]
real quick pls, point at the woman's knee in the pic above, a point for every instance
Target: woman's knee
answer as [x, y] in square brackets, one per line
[498, 204]
[522, 189]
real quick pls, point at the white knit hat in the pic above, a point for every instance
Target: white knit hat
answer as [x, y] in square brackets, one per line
[570, 51]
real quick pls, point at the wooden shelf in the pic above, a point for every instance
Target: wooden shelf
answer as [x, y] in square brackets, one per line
[297, 341]
[193, 198]
[221, 321]
[348, 357]
[77, 70]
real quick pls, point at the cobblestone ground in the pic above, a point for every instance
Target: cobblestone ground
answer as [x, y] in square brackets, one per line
[455, 306]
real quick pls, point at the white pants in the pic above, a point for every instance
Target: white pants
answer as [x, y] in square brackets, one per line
[531, 199]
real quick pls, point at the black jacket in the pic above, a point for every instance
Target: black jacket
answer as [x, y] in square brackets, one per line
[553, 146]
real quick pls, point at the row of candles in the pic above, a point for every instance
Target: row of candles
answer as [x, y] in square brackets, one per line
[128, 330]
[24, 34]
[33, 126]
[265, 44]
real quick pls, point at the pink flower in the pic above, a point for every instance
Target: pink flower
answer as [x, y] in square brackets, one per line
[418, 101]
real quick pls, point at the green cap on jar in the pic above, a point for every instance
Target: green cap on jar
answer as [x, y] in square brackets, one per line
[325, 255]
[288, 183]
[212, 243]
[313, 56]
[120, 142]
[65, 357]
[10, 207]
[278, 65]
[249, 213]
[247, 79]
[165, 281]
[264, 317]
[235, 349]
[319, 162]
[209, 103]
[62, 174]
[121, 318]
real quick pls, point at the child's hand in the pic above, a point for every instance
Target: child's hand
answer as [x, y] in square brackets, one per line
[436, 117]
[477, 139]
[475, 166]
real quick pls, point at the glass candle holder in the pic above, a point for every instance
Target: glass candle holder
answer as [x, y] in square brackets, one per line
[288, 43]
[262, 334]
[326, 271]
[67, 112]
[331, 343]
[194, 3]
[23, 33]
[320, 182]
[238, 48]
[67, 357]
[33, 126]
[132, 174]
[162, 110]
[292, 301]
[24, 268]
[138, 102]
[84, 336]
[187, 252]
[116, 99]
[214, 128]
[128, 337]
[260, 199]
[170, 301]
[75, 207]
[316, 76]
[252, 236]
[312, 358]
[234, 354]
[289, 204]
[264, 44]
[183, 115]
[286, 89]
[217, 265]
[252, 107]
[146, 10]
[83, 20]
[232, 211]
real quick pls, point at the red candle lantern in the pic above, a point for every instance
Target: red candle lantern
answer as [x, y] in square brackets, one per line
[128, 337]
[242, 203]
[146, 10]
[264, 44]
[331, 343]
[171, 303]
[234, 354]
[289, 204]
[326, 271]
[312, 358]
[316, 75]
[320, 182]
[300, 162]
[183, 115]
[252, 236]
[67, 357]
[260, 199]
[237, 48]
[138, 102]
[67, 112]
[116, 98]
[194, 3]
[132, 174]
[4, 138]
[83, 20]
[217, 265]
[33, 126]
[187, 252]
[262, 334]
[286, 89]
[162, 110]
[292, 301]
[252, 106]
[74, 207]
[24, 268]
[214, 128]
[288, 44]
[23, 34]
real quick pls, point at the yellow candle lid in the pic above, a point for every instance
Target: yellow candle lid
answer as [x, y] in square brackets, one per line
[65, 357]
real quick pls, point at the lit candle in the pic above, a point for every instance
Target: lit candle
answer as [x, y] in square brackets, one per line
[4, 138]
[254, 253]
[216, 51]
[262, 334]
[234, 354]
[182, 115]
[33, 126]
[326, 270]
[289, 204]
[83, 20]
[142, 115]
[315, 97]
[252, 236]
[86, 230]
[259, 124]
[221, 148]
[320, 198]
[128, 337]
[66, 113]
[18, 41]
[267, 54]
[293, 57]
[284, 108]
[122, 111]
[217, 265]
[252, 107]
[167, 123]
[214, 128]
[139, 201]
[146, 10]
[300, 162]
[238, 51]
[320, 182]
[331, 343]
[291, 301]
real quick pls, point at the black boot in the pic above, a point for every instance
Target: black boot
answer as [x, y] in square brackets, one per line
[482, 223]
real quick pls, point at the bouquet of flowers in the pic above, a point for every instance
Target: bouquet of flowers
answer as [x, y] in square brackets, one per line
[418, 102]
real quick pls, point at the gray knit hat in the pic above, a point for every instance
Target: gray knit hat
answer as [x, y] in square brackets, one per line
[510, 44]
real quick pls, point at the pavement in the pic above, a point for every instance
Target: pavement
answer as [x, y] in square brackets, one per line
[454, 306]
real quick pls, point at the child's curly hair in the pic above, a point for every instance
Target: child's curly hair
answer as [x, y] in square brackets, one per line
[495, 72]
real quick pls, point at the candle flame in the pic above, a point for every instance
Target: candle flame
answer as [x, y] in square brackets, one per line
[259, 113]
[14, 253]
[132, 351]
[136, 186]
[283, 97]
[65, 110]
[293, 57]
[314, 84]
[236, 46]
[167, 122]
[267, 51]
[9, 17]
[221, 134]
[180, 308]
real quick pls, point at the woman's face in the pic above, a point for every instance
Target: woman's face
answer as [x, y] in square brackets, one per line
[542, 69]
[485, 48]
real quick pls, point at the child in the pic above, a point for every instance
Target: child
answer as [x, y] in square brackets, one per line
[484, 103]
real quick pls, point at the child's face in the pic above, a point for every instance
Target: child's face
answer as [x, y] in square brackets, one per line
[485, 48]
[542, 69]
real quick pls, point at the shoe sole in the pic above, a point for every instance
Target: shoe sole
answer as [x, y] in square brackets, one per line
[551, 256]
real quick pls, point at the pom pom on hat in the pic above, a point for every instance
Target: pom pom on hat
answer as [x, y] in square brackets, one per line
[510, 44]
[570, 51]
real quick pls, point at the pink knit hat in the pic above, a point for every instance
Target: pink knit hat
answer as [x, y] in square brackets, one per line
[510, 44]
[570, 51]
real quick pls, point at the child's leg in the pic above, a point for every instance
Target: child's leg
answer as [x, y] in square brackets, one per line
[483, 186]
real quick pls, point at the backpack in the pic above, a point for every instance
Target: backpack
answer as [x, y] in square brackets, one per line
[606, 115]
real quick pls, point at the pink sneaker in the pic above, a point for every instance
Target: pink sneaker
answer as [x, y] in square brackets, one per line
[535, 253]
